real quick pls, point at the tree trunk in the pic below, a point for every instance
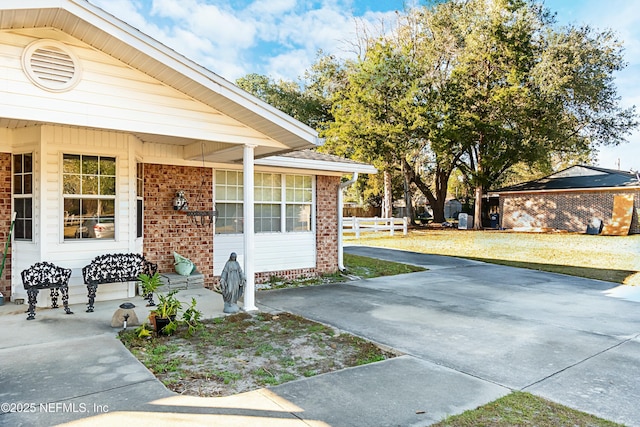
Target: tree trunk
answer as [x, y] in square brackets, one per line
[436, 201]
[407, 177]
[387, 202]
[477, 215]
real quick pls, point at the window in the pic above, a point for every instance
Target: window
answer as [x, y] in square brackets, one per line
[229, 195]
[89, 191]
[139, 198]
[299, 194]
[282, 202]
[267, 195]
[23, 196]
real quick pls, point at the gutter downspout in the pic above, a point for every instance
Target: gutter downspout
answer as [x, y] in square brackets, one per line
[341, 187]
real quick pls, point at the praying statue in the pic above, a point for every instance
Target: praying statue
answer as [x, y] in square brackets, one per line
[232, 282]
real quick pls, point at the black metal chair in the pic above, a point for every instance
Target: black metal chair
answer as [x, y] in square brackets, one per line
[114, 268]
[45, 275]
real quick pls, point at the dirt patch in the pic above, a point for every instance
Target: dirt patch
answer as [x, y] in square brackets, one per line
[244, 352]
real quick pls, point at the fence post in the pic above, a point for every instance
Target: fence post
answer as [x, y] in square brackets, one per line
[405, 222]
[392, 225]
[356, 227]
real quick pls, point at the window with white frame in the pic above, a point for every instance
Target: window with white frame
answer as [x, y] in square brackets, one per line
[299, 195]
[282, 202]
[23, 196]
[267, 195]
[139, 198]
[229, 195]
[89, 192]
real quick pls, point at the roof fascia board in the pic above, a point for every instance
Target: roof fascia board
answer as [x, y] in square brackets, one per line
[293, 163]
[569, 190]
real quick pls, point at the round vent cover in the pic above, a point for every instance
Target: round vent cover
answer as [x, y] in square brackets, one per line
[51, 65]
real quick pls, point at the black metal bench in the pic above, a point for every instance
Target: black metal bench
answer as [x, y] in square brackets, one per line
[114, 268]
[45, 275]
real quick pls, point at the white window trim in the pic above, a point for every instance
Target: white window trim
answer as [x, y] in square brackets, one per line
[31, 195]
[115, 198]
[283, 203]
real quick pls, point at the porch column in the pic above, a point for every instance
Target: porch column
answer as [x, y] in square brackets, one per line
[249, 235]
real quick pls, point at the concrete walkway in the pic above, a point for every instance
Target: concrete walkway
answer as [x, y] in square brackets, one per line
[470, 332]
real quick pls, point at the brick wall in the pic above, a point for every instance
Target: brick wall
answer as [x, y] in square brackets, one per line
[5, 221]
[327, 224]
[562, 211]
[166, 230]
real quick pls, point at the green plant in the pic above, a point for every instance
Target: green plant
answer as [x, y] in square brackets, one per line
[143, 331]
[149, 285]
[191, 318]
[168, 306]
[166, 311]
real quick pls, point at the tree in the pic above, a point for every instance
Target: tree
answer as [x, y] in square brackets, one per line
[491, 87]
[292, 98]
[370, 113]
[386, 110]
[525, 90]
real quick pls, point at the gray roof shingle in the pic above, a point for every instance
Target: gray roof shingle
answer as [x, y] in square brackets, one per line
[578, 177]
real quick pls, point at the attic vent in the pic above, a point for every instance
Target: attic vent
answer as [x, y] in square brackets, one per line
[50, 65]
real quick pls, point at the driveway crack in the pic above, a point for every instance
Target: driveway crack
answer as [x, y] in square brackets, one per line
[581, 361]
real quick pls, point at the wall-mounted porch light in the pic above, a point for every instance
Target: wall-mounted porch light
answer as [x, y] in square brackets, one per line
[199, 218]
[180, 202]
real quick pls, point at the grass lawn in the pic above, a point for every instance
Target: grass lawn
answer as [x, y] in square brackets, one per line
[243, 352]
[614, 259]
[523, 409]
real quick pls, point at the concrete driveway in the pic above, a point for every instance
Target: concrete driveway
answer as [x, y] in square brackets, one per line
[472, 332]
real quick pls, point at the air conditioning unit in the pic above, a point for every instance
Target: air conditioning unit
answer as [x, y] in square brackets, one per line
[465, 221]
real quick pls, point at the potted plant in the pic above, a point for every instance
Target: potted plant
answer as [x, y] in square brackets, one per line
[165, 312]
[149, 285]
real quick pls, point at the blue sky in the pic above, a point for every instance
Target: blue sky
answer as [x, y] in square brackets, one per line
[280, 38]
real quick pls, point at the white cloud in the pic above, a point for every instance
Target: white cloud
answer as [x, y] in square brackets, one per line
[290, 65]
[230, 40]
[218, 25]
[270, 7]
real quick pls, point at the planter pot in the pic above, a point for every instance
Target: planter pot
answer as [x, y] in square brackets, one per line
[161, 322]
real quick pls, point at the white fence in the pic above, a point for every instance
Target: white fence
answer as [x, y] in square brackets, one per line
[359, 225]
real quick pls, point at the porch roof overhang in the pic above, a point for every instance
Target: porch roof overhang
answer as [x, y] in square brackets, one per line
[104, 32]
[314, 161]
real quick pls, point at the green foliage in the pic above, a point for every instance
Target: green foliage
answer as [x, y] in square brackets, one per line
[366, 267]
[143, 331]
[191, 318]
[488, 88]
[149, 283]
[523, 409]
[290, 97]
[167, 306]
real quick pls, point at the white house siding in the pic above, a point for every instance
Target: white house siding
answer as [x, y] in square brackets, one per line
[274, 251]
[128, 99]
[25, 253]
[48, 240]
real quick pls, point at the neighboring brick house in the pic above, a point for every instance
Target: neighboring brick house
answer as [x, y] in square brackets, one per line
[569, 200]
[101, 126]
